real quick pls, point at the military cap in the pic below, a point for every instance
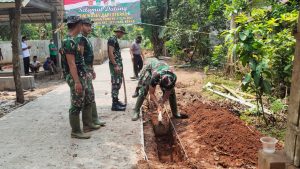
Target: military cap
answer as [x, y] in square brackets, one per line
[87, 21]
[73, 19]
[121, 29]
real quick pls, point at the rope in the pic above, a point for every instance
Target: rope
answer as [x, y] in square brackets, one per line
[177, 136]
[142, 139]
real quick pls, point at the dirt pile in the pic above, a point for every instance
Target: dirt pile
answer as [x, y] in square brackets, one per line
[216, 136]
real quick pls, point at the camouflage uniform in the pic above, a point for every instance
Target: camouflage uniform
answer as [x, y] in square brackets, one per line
[88, 56]
[90, 114]
[69, 46]
[152, 75]
[116, 78]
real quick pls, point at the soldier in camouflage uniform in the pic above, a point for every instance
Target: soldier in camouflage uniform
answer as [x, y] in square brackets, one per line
[90, 117]
[116, 68]
[75, 73]
[156, 73]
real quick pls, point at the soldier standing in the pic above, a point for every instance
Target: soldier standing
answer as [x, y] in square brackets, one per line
[116, 68]
[75, 73]
[90, 117]
[156, 73]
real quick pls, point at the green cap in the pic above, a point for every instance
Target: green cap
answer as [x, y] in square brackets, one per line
[121, 29]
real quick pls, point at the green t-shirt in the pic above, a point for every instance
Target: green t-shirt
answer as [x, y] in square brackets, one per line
[53, 52]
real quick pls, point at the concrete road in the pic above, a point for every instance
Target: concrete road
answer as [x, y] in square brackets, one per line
[37, 135]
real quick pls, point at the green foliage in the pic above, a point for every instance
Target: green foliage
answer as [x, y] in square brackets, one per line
[277, 106]
[187, 19]
[218, 56]
[155, 12]
[265, 46]
[107, 31]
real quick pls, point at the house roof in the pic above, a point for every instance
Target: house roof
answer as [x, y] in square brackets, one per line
[33, 11]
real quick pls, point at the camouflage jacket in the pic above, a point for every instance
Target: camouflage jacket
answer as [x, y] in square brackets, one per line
[113, 41]
[70, 46]
[88, 53]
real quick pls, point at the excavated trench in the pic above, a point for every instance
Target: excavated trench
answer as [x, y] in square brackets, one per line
[168, 149]
[161, 144]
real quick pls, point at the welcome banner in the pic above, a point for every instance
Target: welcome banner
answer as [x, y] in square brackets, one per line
[105, 12]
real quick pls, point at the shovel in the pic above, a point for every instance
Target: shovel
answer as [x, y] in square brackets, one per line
[162, 127]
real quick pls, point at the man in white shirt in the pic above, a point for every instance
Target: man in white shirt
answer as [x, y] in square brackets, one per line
[35, 65]
[26, 55]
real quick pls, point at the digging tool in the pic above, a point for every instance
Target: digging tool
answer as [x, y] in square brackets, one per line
[124, 85]
[162, 127]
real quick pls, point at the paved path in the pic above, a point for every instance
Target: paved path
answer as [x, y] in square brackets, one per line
[37, 136]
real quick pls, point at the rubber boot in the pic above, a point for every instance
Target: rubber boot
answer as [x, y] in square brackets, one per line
[121, 104]
[138, 105]
[87, 119]
[76, 131]
[136, 93]
[173, 105]
[96, 119]
[116, 106]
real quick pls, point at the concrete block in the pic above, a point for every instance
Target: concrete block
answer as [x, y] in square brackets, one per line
[278, 160]
[8, 83]
[5, 74]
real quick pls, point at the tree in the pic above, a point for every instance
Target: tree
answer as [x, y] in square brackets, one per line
[155, 12]
[15, 32]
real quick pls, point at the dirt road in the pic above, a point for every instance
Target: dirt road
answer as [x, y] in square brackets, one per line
[37, 135]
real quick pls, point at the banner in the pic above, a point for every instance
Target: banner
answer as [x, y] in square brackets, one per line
[105, 12]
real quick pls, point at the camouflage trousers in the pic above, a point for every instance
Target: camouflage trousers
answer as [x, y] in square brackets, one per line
[116, 81]
[90, 86]
[78, 101]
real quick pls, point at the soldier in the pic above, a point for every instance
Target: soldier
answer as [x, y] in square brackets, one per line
[156, 73]
[89, 112]
[75, 73]
[116, 68]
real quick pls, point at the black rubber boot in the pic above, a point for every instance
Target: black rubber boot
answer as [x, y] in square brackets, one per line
[117, 107]
[76, 131]
[121, 104]
[136, 93]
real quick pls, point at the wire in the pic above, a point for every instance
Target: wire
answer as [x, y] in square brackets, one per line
[178, 29]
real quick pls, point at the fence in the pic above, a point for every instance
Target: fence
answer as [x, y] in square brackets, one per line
[40, 48]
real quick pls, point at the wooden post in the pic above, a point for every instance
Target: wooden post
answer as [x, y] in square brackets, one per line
[15, 20]
[292, 140]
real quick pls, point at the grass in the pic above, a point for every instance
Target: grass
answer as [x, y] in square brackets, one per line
[219, 80]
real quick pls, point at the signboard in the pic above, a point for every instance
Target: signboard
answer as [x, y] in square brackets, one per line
[105, 12]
